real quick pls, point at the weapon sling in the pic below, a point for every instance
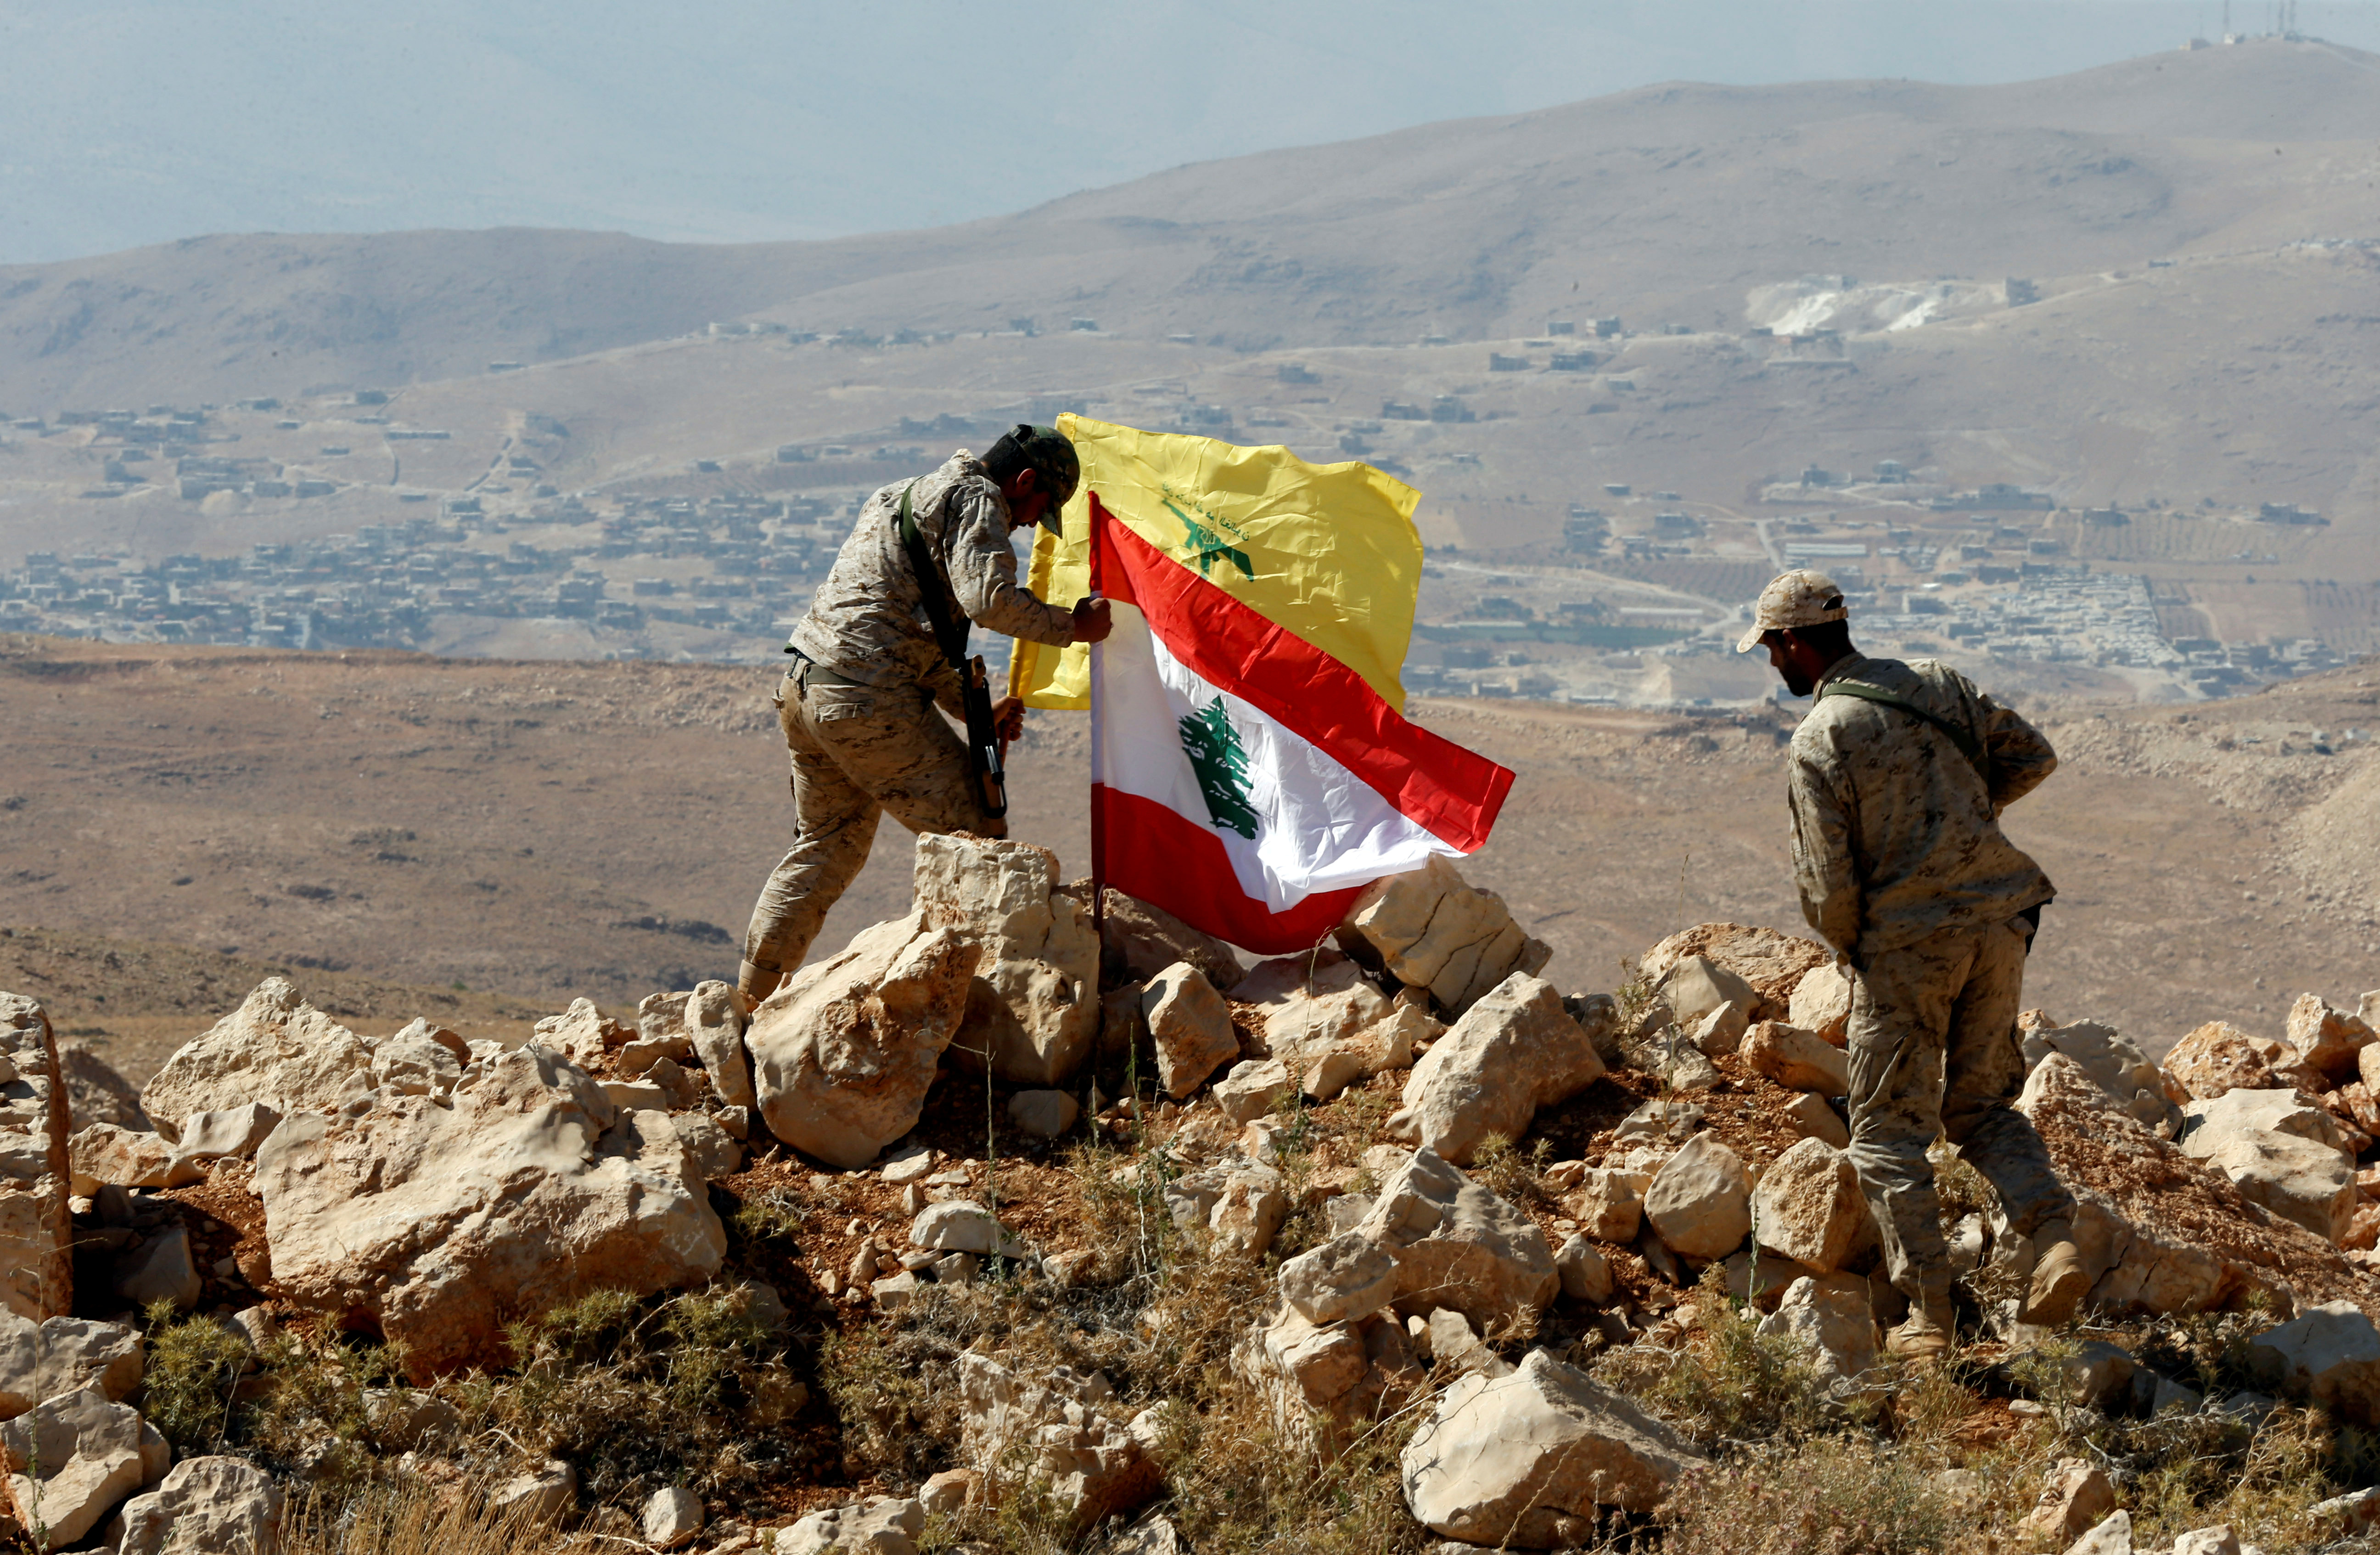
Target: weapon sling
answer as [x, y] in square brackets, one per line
[984, 764]
[1965, 742]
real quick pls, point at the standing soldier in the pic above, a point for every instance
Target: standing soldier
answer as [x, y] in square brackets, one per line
[872, 659]
[1899, 775]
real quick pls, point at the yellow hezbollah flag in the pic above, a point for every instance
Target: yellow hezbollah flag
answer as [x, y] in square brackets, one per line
[1328, 553]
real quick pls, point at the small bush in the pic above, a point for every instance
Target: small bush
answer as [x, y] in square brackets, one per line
[1511, 1172]
[637, 1393]
[193, 1371]
[1728, 1382]
[1833, 1495]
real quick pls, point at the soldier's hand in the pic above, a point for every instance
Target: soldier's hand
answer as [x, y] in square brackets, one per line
[1092, 621]
[1008, 717]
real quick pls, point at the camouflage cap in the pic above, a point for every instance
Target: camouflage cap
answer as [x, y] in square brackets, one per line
[1799, 598]
[1047, 450]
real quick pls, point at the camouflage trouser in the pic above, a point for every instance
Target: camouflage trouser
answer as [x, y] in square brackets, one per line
[857, 751]
[1934, 1050]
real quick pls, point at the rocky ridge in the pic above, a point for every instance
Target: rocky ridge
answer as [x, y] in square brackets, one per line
[1472, 1223]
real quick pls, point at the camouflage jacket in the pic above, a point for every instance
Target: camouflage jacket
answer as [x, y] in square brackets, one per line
[868, 620]
[1895, 833]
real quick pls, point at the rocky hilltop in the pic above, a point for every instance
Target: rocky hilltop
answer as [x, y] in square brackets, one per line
[1029, 1221]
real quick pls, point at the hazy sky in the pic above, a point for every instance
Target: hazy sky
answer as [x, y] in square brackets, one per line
[124, 122]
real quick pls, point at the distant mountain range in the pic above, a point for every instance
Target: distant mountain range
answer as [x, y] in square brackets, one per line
[1668, 202]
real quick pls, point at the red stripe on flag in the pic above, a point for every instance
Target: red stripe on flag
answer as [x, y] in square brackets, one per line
[1452, 792]
[1170, 861]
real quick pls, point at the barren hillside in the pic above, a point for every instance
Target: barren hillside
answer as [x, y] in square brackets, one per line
[543, 830]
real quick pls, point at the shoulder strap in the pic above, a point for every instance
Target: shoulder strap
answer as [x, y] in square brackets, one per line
[1965, 742]
[952, 636]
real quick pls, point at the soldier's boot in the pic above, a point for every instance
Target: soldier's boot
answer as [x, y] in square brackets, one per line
[1929, 1330]
[2059, 1280]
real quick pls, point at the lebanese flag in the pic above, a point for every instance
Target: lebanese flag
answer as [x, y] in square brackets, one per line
[1246, 781]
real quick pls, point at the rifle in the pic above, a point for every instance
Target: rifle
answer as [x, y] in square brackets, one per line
[985, 748]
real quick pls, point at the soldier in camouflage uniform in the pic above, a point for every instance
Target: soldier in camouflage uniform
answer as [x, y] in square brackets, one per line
[858, 702]
[1899, 775]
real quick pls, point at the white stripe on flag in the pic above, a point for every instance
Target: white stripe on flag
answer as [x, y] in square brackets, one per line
[1318, 827]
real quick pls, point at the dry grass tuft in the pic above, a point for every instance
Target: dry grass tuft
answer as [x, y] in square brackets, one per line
[414, 1517]
[1829, 1495]
[685, 1389]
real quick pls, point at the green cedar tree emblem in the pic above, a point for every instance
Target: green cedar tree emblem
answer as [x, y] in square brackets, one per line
[1221, 765]
[1206, 545]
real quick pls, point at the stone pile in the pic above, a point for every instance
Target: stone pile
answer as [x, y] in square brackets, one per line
[433, 1191]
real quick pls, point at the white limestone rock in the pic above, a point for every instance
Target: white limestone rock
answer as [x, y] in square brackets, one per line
[234, 1133]
[275, 1049]
[880, 1526]
[2112, 1060]
[1189, 1025]
[1458, 1245]
[715, 1027]
[104, 1154]
[1433, 931]
[1829, 1316]
[1696, 986]
[1821, 1003]
[1609, 1203]
[1138, 939]
[1516, 1050]
[206, 1506]
[1059, 1427]
[411, 1062]
[1795, 1059]
[962, 1225]
[36, 1178]
[160, 1270]
[2328, 1356]
[2112, 1537]
[2328, 1039]
[1811, 1117]
[582, 1034]
[1586, 1273]
[1044, 1114]
[845, 1050]
[1809, 1207]
[1033, 1008]
[443, 1223]
[1524, 1460]
[2281, 1152]
[1346, 1277]
[1252, 1087]
[63, 1355]
[670, 1517]
[1700, 1203]
[538, 1496]
[88, 1454]
[1238, 1202]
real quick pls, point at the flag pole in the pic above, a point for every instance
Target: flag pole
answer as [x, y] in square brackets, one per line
[1099, 827]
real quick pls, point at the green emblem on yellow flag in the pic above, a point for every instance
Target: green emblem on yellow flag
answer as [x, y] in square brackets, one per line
[1205, 545]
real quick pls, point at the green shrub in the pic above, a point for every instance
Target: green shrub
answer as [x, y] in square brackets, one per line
[193, 1371]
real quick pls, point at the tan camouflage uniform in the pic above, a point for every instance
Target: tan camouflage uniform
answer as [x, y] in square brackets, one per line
[1903, 868]
[859, 704]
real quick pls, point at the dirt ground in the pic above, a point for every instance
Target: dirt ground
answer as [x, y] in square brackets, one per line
[533, 832]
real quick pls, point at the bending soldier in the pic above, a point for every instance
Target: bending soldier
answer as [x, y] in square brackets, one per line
[1899, 775]
[867, 671]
